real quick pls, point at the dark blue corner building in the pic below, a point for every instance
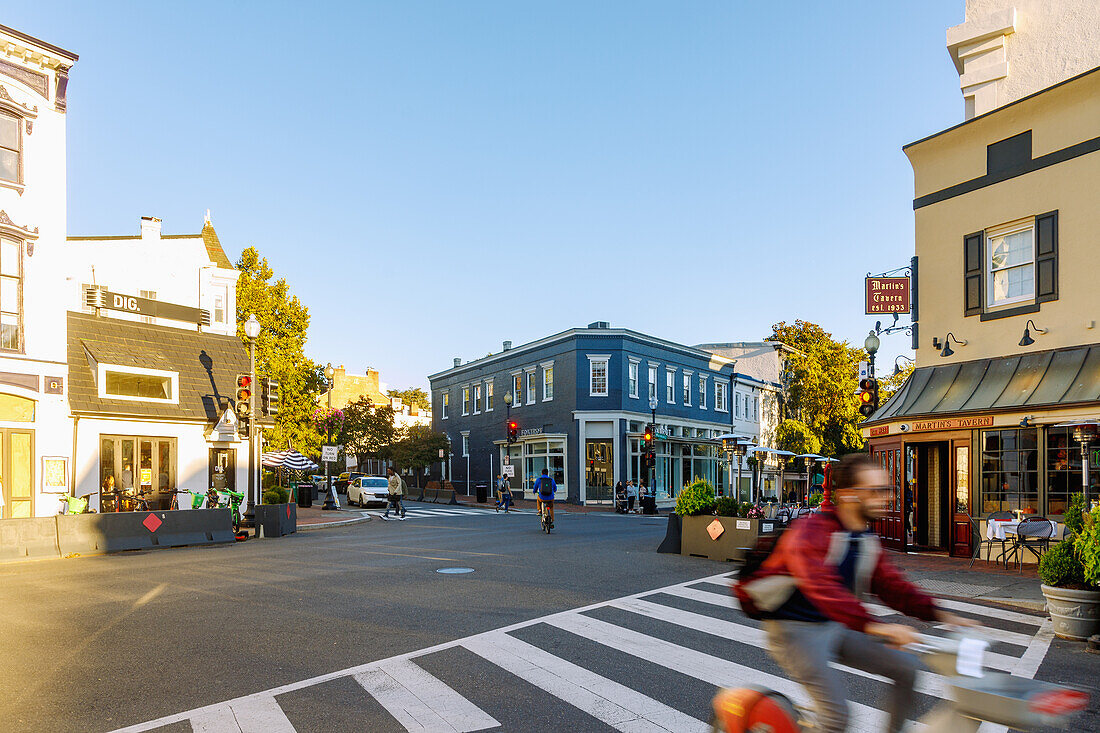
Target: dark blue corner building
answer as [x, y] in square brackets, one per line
[581, 399]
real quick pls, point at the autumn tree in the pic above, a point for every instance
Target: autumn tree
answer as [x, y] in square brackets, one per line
[821, 393]
[280, 351]
[796, 436]
[413, 396]
[368, 429]
[418, 448]
[889, 385]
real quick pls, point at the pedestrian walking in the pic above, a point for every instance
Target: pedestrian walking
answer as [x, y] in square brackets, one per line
[504, 490]
[396, 491]
[631, 497]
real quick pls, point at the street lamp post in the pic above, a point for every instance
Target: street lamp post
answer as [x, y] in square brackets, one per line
[871, 344]
[653, 422]
[1084, 434]
[739, 453]
[329, 503]
[252, 332]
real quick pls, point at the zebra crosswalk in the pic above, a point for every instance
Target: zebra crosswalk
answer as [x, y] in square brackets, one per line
[441, 511]
[645, 662]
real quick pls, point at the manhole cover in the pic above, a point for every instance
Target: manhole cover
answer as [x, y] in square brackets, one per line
[454, 571]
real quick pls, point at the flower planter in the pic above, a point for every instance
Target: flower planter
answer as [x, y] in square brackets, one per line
[739, 535]
[1074, 613]
[277, 520]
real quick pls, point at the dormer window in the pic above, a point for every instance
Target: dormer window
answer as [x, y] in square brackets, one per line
[11, 147]
[137, 384]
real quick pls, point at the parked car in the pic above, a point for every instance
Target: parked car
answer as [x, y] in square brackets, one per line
[344, 479]
[367, 490]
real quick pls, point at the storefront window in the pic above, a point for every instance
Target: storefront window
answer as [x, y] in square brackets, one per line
[1064, 470]
[144, 464]
[537, 455]
[1010, 476]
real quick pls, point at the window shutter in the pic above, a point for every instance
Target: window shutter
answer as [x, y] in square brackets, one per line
[1046, 257]
[972, 274]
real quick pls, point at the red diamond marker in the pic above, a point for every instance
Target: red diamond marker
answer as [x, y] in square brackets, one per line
[288, 511]
[152, 522]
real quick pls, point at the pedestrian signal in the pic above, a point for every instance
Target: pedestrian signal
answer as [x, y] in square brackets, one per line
[272, 397]
[868, 396]
[243, 405]
[513, 431]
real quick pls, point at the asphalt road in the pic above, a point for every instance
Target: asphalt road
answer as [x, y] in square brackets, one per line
[102, 643]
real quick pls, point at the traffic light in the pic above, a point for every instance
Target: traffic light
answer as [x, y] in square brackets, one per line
[272, 397]
[647, 439]
[868, 396]
[244, 396]
[513, 431]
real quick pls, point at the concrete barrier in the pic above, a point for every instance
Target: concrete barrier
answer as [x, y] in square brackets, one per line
[277, 520]
[28, 538]
[96, 534]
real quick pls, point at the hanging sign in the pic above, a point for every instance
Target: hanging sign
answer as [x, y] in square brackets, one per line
[887, 295]
[101, 298]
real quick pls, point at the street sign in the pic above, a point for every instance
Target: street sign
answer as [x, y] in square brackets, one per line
[508, 470]
[507, 460]
[863, 370]
[887, 295]
[440, 452]
[328, 453]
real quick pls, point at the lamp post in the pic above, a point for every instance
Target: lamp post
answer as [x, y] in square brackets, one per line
[871, 344]
[1085, 433]
[739, 450]
[252, 332]
[653, 422]
[329, 503]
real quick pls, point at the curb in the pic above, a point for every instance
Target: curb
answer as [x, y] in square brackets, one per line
[1038, 607]
[363, 517]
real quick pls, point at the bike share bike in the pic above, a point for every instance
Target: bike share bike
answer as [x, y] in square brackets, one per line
[974, 696]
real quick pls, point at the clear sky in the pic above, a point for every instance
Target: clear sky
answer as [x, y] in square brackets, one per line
[435, 177]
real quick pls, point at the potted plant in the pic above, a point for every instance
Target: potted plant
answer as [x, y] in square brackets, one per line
[276, 515]
[1070, 571]
[742, 523]
[695, 499]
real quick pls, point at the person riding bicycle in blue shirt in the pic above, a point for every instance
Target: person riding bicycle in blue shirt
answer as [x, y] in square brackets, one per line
[545, 486]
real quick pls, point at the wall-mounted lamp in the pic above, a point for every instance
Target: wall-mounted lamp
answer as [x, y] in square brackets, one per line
[936, 343]
[897, 368]
[1027, 422]
[947, 350]
[1027, 340]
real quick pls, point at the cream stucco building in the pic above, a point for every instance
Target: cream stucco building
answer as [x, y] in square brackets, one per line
[1008, 303]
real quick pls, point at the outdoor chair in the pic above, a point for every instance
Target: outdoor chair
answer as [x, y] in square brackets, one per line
[978, 540]
[1004, 543]
[1032, 534]
[805, 511]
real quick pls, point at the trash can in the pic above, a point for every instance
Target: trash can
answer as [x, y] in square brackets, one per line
[482, 488]
[649, 504]
[305, 494]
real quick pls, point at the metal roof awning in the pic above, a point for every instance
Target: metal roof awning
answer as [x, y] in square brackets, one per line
[1060, 377]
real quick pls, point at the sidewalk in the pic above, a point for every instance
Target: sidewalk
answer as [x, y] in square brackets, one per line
[317, 518]
[986, 581]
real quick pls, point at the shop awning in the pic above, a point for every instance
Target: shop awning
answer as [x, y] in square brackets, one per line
[1055, 378]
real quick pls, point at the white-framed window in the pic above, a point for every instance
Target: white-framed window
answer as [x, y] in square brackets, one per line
[687, 389]
[517, 389]
[465, 400]
[531, 391]
[136, 384]
[1010, 264]
[11, 294]
[489, 396]
[597, 374]
[652, 382]
[755, 408]
[547, 381]
[720, 403]
[632, 379]
[477, 399]
[702, 392]
[11, 148]
[446, 403]
[465, 443]
[151, 295]
[670, 386]
[737, 405]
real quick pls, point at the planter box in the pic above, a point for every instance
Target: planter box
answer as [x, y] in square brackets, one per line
[277, 520]
[1075, 614]
[730, 546]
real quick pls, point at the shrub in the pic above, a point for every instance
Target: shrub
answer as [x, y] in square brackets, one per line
[1087, 547]
[753, 511]
[276, 495]
[1074, 516]
[815, 498]
[268, 480]
[1060, 566]
[695, 499]
[727, 506]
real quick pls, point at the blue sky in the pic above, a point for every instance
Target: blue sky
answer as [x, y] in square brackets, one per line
[435, 177]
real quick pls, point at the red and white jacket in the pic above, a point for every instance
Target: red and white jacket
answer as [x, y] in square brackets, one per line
[806, 558]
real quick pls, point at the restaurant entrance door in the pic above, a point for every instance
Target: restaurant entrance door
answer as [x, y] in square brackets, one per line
[223, 468]
[891, 528]
[933, 505]
[17, 473]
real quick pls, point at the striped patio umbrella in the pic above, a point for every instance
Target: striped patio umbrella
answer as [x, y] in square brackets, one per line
[289, 459]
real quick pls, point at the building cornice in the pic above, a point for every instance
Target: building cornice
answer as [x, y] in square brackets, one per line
[35, 49]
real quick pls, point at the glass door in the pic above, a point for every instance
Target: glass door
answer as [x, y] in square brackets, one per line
[17, 473]
[961, 532]
[599, 470]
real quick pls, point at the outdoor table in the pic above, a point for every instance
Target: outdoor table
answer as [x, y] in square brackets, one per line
[1002, 529]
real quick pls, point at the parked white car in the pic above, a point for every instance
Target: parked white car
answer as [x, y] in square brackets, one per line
[367, 490]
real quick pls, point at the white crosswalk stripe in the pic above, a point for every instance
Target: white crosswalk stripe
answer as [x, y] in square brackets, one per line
[420, 701]
[443, 511]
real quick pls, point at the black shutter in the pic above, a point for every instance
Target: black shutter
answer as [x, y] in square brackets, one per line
[972, 274]
[1046, 257]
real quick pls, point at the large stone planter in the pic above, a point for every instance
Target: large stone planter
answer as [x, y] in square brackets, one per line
[739, 535]
[1074, 613]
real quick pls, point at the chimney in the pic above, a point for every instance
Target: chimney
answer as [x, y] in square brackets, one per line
[599, 325]
[458, 361]
[150, 228]
[507, 345]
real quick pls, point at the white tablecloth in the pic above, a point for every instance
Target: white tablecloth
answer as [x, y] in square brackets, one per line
[996, 529]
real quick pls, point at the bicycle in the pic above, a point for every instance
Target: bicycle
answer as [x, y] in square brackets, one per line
[544, 518]
[975, 697]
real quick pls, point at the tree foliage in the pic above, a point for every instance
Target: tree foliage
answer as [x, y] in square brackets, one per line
[280, 351]
[888, 386]
[368, 430]
[796, 436]
[413, 396]
[417, 448]
[822, 389]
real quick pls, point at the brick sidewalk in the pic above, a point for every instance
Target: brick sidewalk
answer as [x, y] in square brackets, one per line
[315, 515]
[986, 581]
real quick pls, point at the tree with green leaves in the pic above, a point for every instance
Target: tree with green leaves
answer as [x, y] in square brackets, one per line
[414, 396]
[418, 448]
[368, 429]
[822, 388]
[889, 385]
[796, 436]
[280, 351]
